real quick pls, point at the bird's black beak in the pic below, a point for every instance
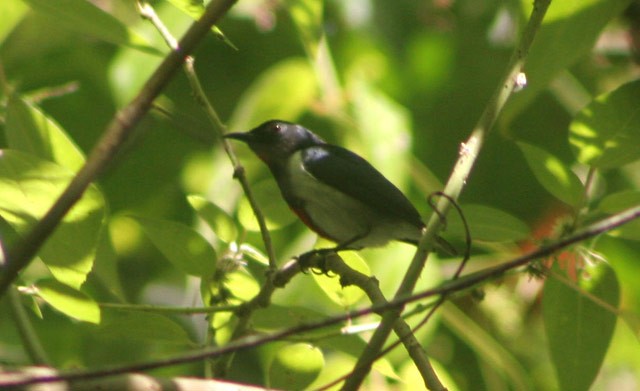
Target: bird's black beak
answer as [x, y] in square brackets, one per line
[238, 136]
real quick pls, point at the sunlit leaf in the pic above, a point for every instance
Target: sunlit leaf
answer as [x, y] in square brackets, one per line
[28, 188]
[553, 174]
[242, 285]
[307, 16]
[579, 328]
[183, 246]
[220, 222]
[275, 210]
[85, 18]
[385, 131]
[12, 12]
[606, 133]
[195, 9]
[30, 130]
[283, 91]
[344, 296]
[353, 344]
[569, 31]
[69, 301]
[295, 366]
[411, 376]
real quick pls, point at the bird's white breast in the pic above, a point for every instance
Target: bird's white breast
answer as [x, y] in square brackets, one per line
[341, 216]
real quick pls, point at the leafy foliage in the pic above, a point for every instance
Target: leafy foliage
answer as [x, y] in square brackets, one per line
[402, 84]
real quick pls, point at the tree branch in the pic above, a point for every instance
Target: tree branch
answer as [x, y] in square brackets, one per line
[117, 132]
[252, 341]
[457, 180]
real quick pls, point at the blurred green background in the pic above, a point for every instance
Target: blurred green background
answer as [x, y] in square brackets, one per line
[406, 82]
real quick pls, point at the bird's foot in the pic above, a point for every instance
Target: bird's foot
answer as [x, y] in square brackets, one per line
[315, 261]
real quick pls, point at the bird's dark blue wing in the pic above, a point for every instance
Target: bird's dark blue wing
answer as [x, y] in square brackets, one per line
[354, 176]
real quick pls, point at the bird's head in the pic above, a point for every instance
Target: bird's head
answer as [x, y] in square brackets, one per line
[275, 141]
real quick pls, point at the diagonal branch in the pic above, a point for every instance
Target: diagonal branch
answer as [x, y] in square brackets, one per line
[459, 285]
[117, 132]
[457, 180]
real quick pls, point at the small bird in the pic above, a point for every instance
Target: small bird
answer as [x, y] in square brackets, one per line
[335, 192]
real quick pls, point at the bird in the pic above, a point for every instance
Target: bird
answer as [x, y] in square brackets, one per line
[335, 192]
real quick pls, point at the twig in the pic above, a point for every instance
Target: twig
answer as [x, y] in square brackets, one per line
[116, 133]
[461, 284]
[457, 180]
[29, 337]
[369, 285]
[244, 312]
[147, 12]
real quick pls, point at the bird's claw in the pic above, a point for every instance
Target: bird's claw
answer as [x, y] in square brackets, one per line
[315, 261]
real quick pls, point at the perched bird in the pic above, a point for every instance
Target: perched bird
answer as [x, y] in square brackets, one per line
[335, 192]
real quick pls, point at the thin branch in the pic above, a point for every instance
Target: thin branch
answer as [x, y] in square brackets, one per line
[129, 382]
[457, 180]
[147, 12]
[369, 285]
[252, 341]
[245, 312]
[116, 133]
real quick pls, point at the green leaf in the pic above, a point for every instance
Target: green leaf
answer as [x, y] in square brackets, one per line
[568, 32]
[385, 131]
[411, 376]
[69, 301]
[353, 345]
[553, 175]
[295, 366]
[242, 285]
[307, 16]
[285, 90]
[220, 222]
[269, 199]
[85, 18]
[30, 130]
[195, 9]
[105, 266]
[606, 133]
[343, 296]
[28, 188]
[12, 13]
[143, 326]
[183, 246]
[578, 328]
[489, 224]
[617, 202]
[277, 317]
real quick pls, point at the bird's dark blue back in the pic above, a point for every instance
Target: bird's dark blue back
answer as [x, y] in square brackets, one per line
[357, 178]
